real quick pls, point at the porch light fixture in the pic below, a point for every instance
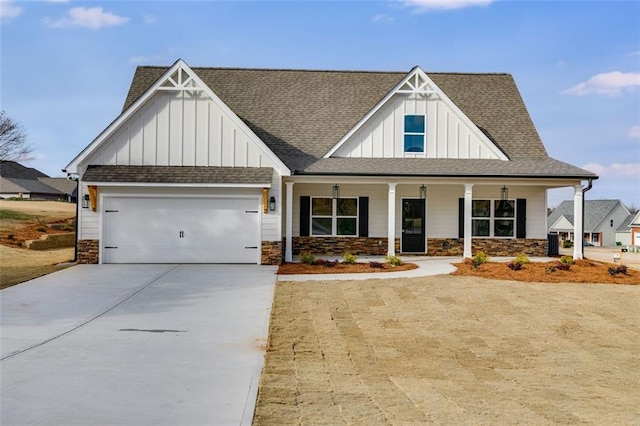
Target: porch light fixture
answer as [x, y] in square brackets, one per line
[272, 203]
[335, 191]
[505, 193]
[423, 192]
[85, 201]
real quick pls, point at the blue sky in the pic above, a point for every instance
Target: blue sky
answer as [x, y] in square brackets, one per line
[66, 65]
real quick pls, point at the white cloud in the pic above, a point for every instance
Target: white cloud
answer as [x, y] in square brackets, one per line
[91, 17]
[8, 10]
[381, 18]
[615, 170]
[611, 83]
[425, 5]
[634, 132]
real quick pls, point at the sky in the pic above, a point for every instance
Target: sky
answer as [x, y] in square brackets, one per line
[65, 66]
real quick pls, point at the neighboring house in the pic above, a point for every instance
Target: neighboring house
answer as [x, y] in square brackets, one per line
[18, 181]
[256, 165]
[602, 218]
[634, 224]
[623, 233]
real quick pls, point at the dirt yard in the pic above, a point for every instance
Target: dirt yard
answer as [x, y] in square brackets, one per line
[451, 350]
[19, 264]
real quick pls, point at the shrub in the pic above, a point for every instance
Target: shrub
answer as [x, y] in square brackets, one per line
[330, 263]
[393, 260]
[515, 266]
[41, 229]
[376, 265]
[10, 237]
[567, 260]
[567, 244]
[479, 258]
[307, 258]
[521, 259]
[551, 269]
[621, 269]
[348, 258]
[563, 266]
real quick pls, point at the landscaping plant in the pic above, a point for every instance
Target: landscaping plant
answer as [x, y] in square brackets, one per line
[307, 258]
[393, 260]
[348, 258]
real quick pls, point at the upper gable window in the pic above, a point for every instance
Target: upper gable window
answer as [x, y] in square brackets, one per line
[414, 133]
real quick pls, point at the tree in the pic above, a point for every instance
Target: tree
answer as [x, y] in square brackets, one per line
[13, 140]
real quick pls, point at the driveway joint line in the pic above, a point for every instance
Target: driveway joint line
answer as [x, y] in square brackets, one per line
[44, 342]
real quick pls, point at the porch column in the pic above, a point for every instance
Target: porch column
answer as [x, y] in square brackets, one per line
[577, 222]
[391, 223]
[468, 195]
[288, 251]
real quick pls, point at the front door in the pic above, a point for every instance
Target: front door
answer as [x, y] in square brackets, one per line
[413, 226]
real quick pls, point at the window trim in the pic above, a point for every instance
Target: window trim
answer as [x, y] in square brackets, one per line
[334, 217]
[405, 133]
[492, 218]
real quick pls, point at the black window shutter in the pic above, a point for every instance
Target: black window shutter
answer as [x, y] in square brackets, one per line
[460, 217]
[305, 215]
[363, 216]
[521, 218]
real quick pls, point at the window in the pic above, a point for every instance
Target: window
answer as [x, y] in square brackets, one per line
[495, 219]
[334, 216]
[414, 133]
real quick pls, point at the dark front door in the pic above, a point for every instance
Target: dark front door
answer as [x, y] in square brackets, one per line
[413, 226]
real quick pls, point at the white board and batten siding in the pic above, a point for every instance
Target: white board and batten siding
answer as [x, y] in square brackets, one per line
[442, 205]
[447, 133]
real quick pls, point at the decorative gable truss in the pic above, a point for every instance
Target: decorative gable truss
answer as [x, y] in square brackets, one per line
[178, 121]
[444, 131]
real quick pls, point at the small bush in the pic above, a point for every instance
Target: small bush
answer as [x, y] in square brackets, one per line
[563, 266]
[307, 258]
[348, 258]
[41, 229]
[330, 263]
[393, 260]
[515, 266]
[479, 258]
[567, 244]
[621, 269]
[567, 260]
[521, 259]
[551, 269]
[376, 265]
[10, 237]
[320, 262]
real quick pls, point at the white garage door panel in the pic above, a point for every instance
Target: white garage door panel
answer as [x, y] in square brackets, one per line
[180, 230]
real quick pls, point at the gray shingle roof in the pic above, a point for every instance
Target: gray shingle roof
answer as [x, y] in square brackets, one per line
[61, 184]
[11, 169]
[302, 114]
[27, 186]
[179, 174]
[595, 211]
[625, 226]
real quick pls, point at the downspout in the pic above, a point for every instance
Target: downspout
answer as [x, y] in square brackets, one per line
[584, 190]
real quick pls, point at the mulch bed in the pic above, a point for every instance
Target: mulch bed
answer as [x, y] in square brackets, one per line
[582, 271]
[340, 268]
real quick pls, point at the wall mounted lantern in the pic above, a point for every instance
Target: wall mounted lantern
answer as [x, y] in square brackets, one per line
[336, 191]
[272, 203]
[423, 192]
[505, 193]
[85, 201]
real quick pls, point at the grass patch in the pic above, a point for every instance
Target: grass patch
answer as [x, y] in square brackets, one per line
[14, 215]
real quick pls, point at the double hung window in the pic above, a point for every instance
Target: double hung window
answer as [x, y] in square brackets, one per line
[334, 216]
[414, 133]
[493, 218]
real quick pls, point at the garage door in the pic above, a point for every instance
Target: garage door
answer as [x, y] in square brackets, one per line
[180, 230]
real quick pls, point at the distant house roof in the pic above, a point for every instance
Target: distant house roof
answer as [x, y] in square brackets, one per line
[11, 169]
[61, 184]
[625, 226]
[26, 186]
[302, 114]
[595, 211]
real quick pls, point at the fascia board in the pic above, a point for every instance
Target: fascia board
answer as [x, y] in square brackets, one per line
[179, 185]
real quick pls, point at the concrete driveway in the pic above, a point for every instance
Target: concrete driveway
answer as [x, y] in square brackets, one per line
[135, 345]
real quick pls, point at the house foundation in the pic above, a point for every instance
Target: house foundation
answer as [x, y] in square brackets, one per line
[88, 251]
[272, 253]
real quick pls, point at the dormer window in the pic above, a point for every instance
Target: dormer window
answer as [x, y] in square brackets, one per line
[414, 133]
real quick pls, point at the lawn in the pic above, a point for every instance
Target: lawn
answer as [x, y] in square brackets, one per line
[25, 220]
[451, 350]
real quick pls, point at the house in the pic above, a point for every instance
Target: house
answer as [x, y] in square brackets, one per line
[601, 221]
[257, 165]
[623, 233]
[18, 181]
[634, 225]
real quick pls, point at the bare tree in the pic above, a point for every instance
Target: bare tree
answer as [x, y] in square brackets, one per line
[13, 140]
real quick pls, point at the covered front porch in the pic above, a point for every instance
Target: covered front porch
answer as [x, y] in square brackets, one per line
[413, 216]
